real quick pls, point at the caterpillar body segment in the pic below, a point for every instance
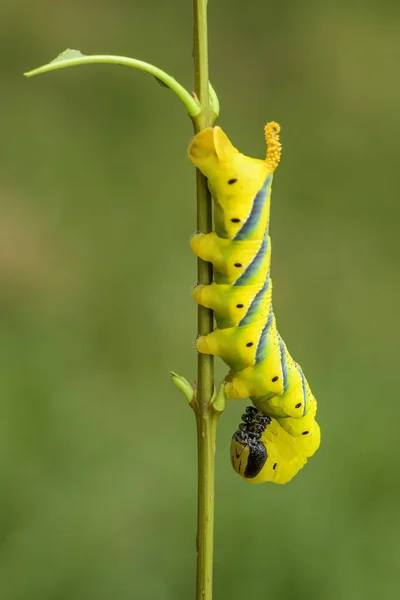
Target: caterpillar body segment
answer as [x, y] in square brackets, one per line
[237, 346]
[231, 259]
[229, 303]
[306, 427]
[239, 180]
[282, 431]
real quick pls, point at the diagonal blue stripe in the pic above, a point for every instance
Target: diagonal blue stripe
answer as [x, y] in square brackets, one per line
[262, 342]
[258, 205]
[304, 388]
[254, 307]
[255, 264]
[283, 363]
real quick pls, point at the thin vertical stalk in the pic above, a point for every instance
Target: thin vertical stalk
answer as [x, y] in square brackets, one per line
[206, 417]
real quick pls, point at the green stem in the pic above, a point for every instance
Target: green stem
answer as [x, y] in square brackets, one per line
[206, 436]
[206, 416]
[191, 104]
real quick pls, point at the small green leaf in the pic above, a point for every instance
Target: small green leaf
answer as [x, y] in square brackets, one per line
[214, 102]
[183, 385]
[67, 54]
[218, 400]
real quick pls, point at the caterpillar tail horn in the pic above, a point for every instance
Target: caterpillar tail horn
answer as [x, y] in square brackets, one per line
[274, 146]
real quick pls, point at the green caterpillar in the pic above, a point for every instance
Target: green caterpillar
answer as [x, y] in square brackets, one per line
[275, 441]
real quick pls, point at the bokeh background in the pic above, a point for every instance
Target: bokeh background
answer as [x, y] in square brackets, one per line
[97, 448]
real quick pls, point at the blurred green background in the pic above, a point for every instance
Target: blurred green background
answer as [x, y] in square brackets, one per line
[97, 448]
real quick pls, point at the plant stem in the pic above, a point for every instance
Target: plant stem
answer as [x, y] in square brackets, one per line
[200, 55]
[206, 416]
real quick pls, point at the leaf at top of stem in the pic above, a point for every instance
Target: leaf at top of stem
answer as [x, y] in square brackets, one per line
[73, 58]
[67, 54]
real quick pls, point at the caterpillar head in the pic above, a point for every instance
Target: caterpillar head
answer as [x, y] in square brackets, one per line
[233, 178]
[261, 450]
[248, 453]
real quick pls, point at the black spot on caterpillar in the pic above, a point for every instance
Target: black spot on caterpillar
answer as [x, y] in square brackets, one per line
[232, 181]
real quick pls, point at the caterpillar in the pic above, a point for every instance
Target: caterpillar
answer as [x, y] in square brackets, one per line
[279, 432]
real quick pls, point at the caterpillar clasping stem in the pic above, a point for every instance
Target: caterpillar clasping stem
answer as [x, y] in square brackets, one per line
[275, 438]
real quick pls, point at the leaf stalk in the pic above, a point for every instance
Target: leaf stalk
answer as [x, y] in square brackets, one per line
[188, 100]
